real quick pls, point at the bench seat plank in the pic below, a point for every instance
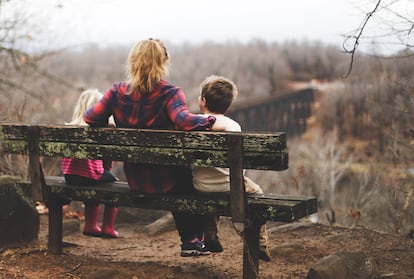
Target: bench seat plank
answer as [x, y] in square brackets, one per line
[266, 207]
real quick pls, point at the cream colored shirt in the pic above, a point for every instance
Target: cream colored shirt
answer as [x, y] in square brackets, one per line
[208, 179]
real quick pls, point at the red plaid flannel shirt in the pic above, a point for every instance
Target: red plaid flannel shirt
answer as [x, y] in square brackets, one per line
[163, 108]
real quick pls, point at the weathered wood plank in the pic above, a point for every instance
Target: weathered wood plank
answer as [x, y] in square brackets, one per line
[309, 205]
[204, 140]
[15, 146]
[273, 209]
[260, 151]
[144, 137]
[161, 156]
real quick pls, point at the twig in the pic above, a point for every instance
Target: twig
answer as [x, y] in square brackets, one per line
[357, 38]
[26, 90]
[75, 267]
[403, 213]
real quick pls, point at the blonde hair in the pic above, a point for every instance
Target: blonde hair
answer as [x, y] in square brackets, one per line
[85, 101]
[148, 63]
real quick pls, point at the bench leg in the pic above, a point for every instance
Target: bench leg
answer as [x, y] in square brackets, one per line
[55, 242]
[251, 249]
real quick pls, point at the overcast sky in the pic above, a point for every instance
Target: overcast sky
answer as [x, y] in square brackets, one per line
[195, 21]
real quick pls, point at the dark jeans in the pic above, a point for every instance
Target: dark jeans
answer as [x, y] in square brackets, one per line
[189, 226]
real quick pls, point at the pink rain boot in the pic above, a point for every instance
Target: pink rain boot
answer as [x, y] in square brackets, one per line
[108, 226]
[91, 227]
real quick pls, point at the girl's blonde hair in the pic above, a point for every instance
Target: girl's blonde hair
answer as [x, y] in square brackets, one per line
[85, 101]
[148, 63]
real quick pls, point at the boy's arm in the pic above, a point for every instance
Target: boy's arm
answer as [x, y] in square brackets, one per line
[218, 126]
[224, 123]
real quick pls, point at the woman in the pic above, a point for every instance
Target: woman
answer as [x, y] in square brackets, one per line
[146, 100]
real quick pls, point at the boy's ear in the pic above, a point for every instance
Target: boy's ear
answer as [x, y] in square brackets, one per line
[202, 103]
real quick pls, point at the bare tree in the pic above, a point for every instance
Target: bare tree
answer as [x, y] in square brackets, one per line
[387, 24]
[26, 86]
[23, 79]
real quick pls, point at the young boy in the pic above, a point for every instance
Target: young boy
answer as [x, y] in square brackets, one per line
[217, 94]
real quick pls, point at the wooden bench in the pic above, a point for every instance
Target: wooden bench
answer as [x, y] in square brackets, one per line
[237, 151]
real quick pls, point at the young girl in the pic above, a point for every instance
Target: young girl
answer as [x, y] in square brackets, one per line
[88, 171]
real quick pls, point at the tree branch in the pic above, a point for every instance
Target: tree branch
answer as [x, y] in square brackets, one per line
[358, 37]
[21, 88]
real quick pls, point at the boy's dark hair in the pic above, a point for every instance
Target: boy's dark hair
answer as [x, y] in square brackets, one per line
[219, 92]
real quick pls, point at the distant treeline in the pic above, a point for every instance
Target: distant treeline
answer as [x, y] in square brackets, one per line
[259, 69]
[44, 88]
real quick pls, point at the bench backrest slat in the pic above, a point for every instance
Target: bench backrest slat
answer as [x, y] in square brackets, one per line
[266, 151]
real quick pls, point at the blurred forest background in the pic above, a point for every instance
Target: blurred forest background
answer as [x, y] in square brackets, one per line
[356, 156]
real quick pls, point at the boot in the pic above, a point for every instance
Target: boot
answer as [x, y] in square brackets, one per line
[108, 226]
[91, 227]
[264, 252]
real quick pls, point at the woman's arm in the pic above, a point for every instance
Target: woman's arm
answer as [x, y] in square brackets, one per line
[182, 118]
[99, 114]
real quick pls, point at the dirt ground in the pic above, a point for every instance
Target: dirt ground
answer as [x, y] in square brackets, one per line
[139, 255]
